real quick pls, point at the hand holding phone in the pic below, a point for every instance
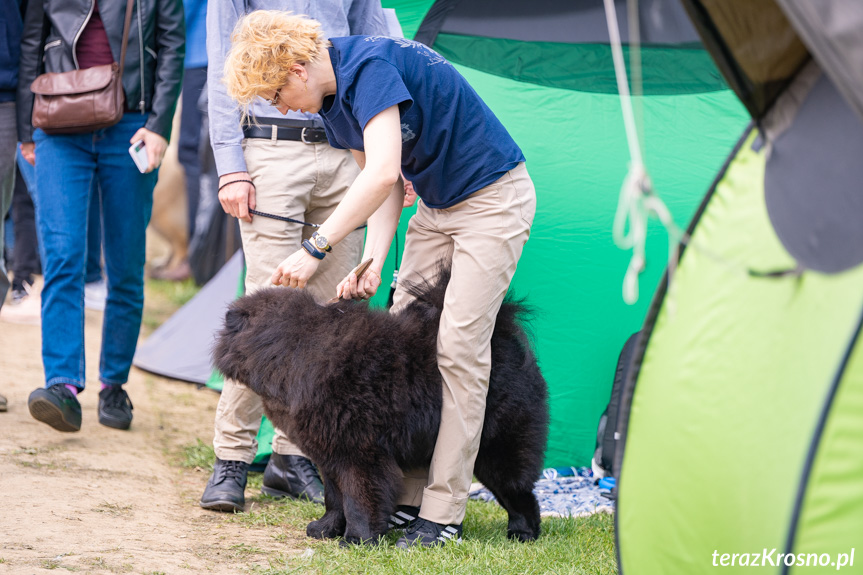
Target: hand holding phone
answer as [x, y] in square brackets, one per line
[139, 155]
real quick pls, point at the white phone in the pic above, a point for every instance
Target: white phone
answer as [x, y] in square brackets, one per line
[139, 155]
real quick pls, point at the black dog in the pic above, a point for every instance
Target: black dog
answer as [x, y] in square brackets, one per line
[360, 392]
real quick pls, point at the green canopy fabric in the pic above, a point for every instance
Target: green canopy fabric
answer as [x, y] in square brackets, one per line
[559, 103]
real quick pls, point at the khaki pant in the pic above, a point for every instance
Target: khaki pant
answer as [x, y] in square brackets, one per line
[482, 237]
[304, 182]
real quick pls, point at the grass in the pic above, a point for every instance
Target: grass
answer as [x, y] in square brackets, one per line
[567, 546]
[200, 455]
[163, 299]
[113, 509]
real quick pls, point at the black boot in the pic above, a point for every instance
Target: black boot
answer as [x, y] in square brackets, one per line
[292, 476]
[226, 487]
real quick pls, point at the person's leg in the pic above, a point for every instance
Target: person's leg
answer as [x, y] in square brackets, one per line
[127, 202]
[25, 255]
[266, 241]
[65, 168]
[285, 174]
[190, 136]
[489, 231]
[93, 271]
[319, 178]
[25, 305]
[425, 248]
[338, 170]
[8, 139]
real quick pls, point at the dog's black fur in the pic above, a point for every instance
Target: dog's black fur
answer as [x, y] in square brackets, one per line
[360, 392]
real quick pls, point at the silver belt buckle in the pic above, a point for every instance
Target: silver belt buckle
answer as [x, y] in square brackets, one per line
[303, 136]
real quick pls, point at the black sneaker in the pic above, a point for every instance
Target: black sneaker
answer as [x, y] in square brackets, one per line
[115, 407]
[56, 406]
[404, 517]
[226, 487]
[21, 289]
[425, 533]
[292, 476]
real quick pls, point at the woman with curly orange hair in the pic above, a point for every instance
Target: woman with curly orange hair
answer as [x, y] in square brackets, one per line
[400, 106]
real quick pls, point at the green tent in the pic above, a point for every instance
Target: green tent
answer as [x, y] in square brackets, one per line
[545, 69]
[741, 418]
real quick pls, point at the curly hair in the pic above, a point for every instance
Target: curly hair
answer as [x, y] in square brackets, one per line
[265, 44]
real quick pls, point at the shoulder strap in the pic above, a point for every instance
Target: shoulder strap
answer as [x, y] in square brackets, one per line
[126, 26]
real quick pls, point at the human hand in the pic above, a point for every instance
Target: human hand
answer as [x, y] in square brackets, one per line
[362, 288]
[410, 194]
[296, 270]
[28, 151]
[155, 146]
[237, 198]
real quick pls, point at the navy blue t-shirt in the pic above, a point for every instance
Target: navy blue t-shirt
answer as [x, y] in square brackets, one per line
[452, 144]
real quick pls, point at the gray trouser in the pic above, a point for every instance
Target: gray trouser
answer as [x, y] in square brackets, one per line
[8, 141]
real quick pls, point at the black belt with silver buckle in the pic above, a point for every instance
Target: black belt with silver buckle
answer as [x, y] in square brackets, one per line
[276, 132]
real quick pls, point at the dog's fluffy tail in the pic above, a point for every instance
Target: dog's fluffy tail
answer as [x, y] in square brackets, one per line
[513, 318]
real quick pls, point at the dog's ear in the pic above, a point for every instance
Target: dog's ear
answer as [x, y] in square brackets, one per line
[236, 320]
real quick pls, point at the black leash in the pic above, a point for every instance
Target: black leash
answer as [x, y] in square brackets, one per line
[274, 216]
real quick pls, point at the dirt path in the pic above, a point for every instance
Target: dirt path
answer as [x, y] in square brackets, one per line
[108, 501]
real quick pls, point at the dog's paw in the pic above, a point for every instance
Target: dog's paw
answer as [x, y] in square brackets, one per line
[323, 529]
[352, 540]
[522, 536]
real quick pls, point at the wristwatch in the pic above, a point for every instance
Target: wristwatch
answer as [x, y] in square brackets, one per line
[321, 242]
[312, 250]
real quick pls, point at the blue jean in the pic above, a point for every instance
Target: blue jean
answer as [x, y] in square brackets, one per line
[67, 169]
[94, 230]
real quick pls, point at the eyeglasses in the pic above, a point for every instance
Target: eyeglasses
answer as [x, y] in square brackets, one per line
[275, 101]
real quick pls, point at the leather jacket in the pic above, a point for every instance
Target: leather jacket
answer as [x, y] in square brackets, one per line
[156, 37]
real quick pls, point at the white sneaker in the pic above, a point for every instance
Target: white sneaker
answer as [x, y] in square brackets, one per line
[25, 310]
[95, 294]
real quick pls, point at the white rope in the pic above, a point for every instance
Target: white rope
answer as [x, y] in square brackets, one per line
[637, 200]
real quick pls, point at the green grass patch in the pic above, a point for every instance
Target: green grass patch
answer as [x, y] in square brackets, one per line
[583, 545]
[163, 298]
[178, 293]
[566, 546]
[198, 455]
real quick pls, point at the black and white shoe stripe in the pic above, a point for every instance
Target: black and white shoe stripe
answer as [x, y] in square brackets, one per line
[448, 533]
[404, 517]
[425, 533]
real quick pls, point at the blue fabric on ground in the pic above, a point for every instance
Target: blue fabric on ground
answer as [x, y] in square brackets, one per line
[562, 492]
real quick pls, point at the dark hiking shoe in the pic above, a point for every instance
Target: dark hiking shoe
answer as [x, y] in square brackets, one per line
[425, 533]
[115, 407]
[3, 403]
[56, 406]
[226, 487]
[292, 476]
[404, 517]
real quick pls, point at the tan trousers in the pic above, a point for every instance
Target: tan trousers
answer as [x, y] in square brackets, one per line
[304, 182]
[482, 237]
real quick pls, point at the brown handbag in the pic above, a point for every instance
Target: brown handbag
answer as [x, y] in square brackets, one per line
[82, 100]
